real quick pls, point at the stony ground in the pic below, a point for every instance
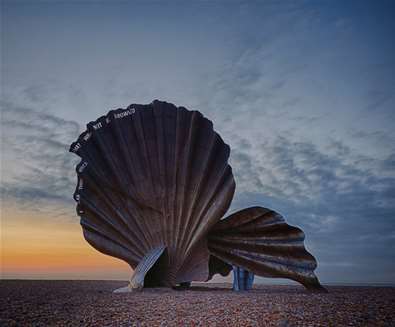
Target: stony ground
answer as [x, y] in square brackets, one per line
[92, 303]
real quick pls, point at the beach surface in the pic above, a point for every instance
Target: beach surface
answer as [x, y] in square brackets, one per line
[92, 303]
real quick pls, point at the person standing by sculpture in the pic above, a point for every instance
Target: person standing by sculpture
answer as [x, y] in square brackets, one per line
[242, 279]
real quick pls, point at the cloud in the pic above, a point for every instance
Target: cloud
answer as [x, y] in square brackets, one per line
[37, 170]
[301, 173]
[303, 94]
[292, 106]
[346, 210]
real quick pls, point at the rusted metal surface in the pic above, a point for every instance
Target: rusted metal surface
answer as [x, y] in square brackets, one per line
[157, 176]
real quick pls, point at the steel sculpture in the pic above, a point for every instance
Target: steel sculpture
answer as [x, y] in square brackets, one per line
[153, 184]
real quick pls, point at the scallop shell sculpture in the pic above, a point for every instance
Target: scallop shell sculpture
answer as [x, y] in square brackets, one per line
[153, 184]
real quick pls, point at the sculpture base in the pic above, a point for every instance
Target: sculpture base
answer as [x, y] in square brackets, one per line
[126, 289]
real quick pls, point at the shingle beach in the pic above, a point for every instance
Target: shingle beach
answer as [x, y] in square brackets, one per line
[92, 303]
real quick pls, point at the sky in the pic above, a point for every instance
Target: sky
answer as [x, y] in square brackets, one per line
[302, 91]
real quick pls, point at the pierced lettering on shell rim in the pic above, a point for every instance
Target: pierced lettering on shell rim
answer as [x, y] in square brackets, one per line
[82, 167]
[97, 125]
[76, 147]
[125, 113]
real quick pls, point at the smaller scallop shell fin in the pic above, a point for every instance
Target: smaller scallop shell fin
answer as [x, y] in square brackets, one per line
[259, 240]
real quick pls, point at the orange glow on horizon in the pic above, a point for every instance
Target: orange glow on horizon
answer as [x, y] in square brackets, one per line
[41, 247]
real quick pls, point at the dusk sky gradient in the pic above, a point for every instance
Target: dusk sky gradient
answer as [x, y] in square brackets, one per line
[302, 91]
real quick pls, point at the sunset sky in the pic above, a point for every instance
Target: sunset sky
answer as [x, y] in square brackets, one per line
[302, 91]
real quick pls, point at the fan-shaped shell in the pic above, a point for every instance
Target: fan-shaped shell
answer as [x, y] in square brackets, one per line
[153, 176]
[259, 240]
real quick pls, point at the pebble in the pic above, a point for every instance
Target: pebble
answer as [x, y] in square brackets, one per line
[92, 303]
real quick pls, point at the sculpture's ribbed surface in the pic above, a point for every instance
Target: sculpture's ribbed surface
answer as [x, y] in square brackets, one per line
[153, 175]
[153, 184]
[259, 240]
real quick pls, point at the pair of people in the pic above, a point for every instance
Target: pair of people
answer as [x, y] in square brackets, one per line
[242, 279]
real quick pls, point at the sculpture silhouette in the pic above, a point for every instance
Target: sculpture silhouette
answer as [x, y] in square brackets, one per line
[153, 184]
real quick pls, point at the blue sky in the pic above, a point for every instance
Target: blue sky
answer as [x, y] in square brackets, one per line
[302, 91]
